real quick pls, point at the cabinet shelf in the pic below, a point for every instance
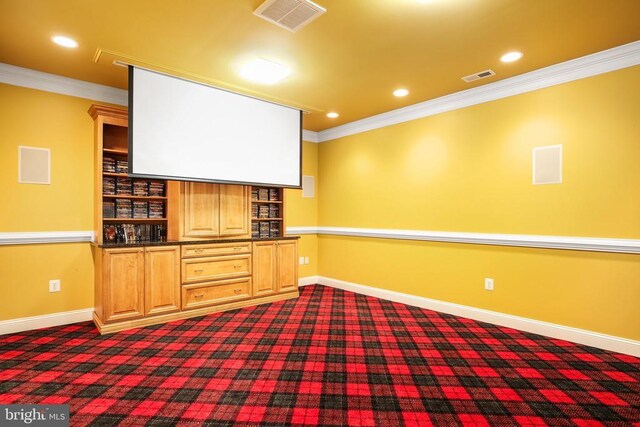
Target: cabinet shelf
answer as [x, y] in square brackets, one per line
[133, 219]
[115, 151]
[266, 219]
[266, 201]
[122, 196]
[116, 175]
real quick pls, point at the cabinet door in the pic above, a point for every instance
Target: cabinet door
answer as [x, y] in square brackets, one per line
[264, 269]
[287, 262]
[123, 283]
[234, 210]
[162, 279]
[200, 210]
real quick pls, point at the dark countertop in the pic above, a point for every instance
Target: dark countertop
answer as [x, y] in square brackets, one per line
[190, 242]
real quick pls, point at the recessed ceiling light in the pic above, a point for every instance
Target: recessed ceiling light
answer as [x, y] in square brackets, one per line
[511, 56]
[264, 71]
[333, 115]
[400, 93]
[64, 41]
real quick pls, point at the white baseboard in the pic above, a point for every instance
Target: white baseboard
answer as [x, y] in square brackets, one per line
[45, 321]
[580, 336]
[309, 280]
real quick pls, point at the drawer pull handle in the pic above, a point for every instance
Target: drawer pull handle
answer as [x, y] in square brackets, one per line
[199, 270]
[238, 290]
[198, 251]
[237, 267]
[237, 248]
[198, 296]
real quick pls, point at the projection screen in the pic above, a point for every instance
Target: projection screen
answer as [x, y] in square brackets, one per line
[188, 131]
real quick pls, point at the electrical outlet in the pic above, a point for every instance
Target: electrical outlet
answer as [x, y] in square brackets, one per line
[301, 260]
[488, 284]
[54, 285]
[306, 260]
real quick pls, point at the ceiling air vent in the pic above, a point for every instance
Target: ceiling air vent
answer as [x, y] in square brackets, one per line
[289, 14]
[477, 76]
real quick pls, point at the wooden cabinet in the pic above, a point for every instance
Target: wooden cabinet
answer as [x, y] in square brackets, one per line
[287, 265]
[214, 210]
[275, 267]
[162, 278]
[138, 282]
[123, 284]
[234, 210]
[200, 212]
[264, 268]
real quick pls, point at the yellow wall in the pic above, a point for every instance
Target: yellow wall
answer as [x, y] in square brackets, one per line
[40, 119]
[470, 170]
[303, 212]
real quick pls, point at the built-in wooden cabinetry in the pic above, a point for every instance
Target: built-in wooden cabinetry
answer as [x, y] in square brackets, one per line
[213, 210]
[211, 260]
[275, 267]
[137, 282]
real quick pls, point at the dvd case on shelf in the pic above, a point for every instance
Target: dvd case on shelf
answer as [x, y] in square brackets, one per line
[109, 186]
[140, 188]
[108, 165]
[134, 233]
[122, 166]
[123, 186]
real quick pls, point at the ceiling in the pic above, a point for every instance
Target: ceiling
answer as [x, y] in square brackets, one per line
[349, 60]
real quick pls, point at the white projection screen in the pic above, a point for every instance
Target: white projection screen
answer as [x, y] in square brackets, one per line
[188, 131]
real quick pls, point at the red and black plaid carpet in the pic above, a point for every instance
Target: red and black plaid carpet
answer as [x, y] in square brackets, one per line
[330, 358]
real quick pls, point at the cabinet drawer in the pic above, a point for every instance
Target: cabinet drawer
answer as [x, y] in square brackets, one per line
[211, 293]
[213, 268]
[192, 251]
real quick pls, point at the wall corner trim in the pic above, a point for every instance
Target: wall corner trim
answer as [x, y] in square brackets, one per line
[45, 321]
[593, 244]
[37, 237]
[580, 336]
[608, 60]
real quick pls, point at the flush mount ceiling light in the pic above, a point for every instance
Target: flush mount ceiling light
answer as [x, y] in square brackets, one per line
[264, 71]
[511, 56]
[64, 41]
[400, 93]
[333, 115]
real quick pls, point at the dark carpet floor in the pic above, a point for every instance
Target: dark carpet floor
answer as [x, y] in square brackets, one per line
[329, 358]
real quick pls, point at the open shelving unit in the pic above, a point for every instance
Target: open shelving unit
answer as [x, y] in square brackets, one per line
[127, 210]
[267, 212]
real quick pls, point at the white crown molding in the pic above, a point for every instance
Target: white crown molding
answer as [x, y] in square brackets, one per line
[25, 77]
[580, 336]
[617, 58]
[32, 79]
[310, 136]
[45, 321]
[29, 238]
[595, 244]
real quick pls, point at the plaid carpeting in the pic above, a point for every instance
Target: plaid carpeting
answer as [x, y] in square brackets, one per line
[330, 358]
